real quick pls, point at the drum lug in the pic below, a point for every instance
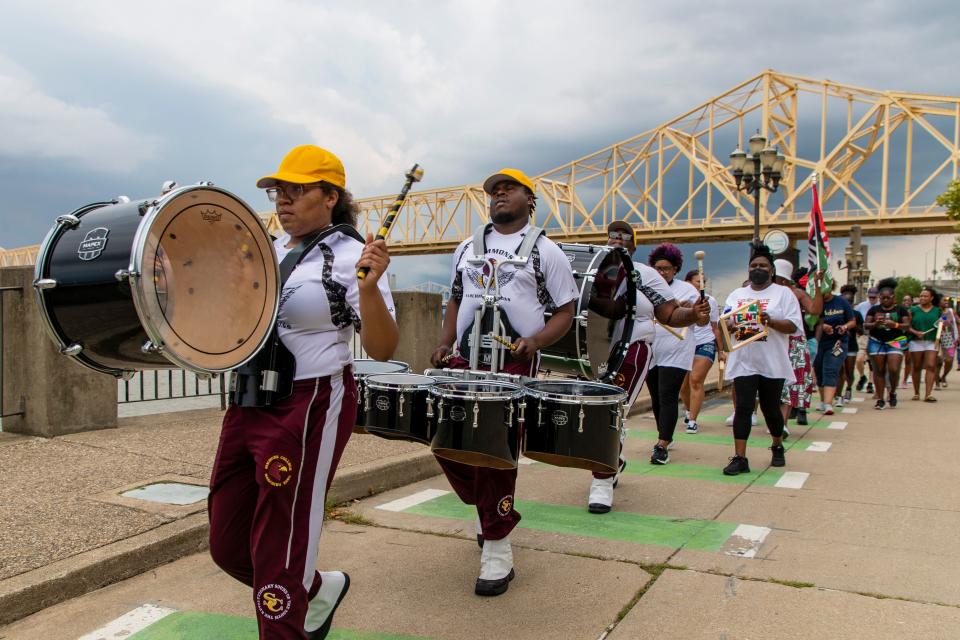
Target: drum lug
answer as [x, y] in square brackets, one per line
[582, 415]
[523, 406]
[510, 413]
[476, 414]
[400, 403]
[125, 274]
[366, 400]
[150, 347]
[440, 411]
[70, 221]
[145, 206]
[540, 413]
[429, 406]
[45, 283]
[73, 350]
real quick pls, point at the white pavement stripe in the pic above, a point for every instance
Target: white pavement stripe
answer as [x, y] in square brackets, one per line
[849, 410]
[819, 447]
[857, 399]
[745, 540]
[837, 425]
[415, 499]
[523, 460]
[129, 623]
[792, 480]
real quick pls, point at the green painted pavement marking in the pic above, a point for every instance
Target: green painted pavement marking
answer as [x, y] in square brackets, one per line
[708, 438]
[703, 535]
[199, 625]
[817, 422]
[702, 472]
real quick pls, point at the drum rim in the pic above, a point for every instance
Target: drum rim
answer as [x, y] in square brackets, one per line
[367, 375]
[41, 269]
[618, 397]
[373, 385]
[513, 391]
[139, 295]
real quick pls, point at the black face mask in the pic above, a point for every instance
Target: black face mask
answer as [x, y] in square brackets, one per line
[759, 276]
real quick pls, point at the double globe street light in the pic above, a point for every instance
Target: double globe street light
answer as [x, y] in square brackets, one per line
[758, 170]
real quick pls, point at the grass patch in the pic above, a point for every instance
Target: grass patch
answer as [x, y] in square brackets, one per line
[796, 584]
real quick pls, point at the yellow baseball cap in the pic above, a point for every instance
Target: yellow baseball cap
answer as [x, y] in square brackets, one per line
[513, 175]
[307, 164]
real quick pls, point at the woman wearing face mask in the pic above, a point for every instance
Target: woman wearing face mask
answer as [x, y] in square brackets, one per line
[758, 369]
[887, 324]
[923, 347]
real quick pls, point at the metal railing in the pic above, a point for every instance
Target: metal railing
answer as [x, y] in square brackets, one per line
[3, 410]
[171, 384]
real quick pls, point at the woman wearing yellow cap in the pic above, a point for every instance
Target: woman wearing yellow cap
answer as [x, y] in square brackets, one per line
[275, 463]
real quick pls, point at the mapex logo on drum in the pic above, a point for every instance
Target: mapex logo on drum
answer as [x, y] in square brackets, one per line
[93, 244]
[458, 413]
[383, 403]
[559, 418]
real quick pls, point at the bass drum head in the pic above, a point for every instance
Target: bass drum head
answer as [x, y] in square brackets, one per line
[209, 279]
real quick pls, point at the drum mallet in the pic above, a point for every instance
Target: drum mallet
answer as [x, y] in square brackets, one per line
[505, 343]
[414, 175]
[699, 256]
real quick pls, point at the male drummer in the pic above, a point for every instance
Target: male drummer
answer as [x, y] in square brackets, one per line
[655, 299]
[544, 283]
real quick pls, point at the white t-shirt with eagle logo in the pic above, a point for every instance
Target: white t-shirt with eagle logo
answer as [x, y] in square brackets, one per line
[320, 305]
[543, 284]
[769, 356]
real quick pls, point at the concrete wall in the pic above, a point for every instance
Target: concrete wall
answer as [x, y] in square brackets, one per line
[59, 396]
[419, 319]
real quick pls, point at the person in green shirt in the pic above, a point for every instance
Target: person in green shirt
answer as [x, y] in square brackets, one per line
[923, 347]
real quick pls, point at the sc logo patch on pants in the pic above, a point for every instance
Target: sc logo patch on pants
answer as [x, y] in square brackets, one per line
[273, 601]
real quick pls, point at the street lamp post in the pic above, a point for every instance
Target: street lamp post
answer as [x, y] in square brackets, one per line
[759, 169]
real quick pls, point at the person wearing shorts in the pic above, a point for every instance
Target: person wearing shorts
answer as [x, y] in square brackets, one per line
[705, 354]
[924, 317]
[886, 323]
[948, 342]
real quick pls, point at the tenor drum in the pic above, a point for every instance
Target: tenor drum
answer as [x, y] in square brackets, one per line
[477, 422]
[395, 406]
[594, 347]
[574, 424]
[189, 279]
[363, 368]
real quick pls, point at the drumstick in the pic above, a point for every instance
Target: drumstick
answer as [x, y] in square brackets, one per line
[699, 256]
[414, 175]
[505, 343]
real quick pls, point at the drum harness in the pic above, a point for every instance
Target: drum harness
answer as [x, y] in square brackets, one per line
[489, 312]
[268, 376]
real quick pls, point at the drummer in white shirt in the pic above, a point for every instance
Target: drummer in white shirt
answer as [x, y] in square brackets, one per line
[758, 369]
[673, 350]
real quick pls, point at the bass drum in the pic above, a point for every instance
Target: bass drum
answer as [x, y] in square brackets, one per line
[594, 348]
[189, 280]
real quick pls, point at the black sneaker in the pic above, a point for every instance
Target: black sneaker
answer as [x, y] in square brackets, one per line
[861, 382]
[869, 387]
[660, 455]
[802, 417]
[879, 406]
[893, 399]
[793, 414]
[778, 460]
[738, 465]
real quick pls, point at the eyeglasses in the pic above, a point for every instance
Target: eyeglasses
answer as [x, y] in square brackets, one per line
[291, 190]
[625, 236]
[664, 268]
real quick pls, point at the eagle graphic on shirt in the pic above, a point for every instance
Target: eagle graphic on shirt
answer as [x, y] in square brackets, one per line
[480, 277]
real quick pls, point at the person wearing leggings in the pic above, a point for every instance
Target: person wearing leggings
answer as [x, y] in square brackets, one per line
[673, 351]
[759, 368]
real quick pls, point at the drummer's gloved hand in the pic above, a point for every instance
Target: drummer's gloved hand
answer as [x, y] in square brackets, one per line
[526, 349]
[438, 357]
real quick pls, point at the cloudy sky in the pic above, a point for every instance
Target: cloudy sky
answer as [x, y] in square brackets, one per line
[101, 98]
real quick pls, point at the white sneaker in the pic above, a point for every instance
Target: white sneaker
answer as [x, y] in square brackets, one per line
[753, 418]
[729, 420]
[600, 499]
[333, 587]
[838, 402]
[692, 426]
[496, 567]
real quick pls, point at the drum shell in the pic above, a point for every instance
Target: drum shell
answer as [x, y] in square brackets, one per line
[382, 412]
[493, 443]
[553, 435]
[364, 368]
[89, 305]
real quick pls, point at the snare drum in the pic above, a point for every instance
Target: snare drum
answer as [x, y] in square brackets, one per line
[478, 422]
[395, 406]
[364, 368]
[189, 279]
[574, 424]
[591, 348]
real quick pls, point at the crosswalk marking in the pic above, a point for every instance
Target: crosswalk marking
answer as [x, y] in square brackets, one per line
[746, 540]
[129, 623]
[837, 425]
[819, 447]
[412, 501]
[792, 480]
[849, 410]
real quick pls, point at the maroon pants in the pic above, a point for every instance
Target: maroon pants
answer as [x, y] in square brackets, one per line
[630, 378]
[491, 490]
[273, 468]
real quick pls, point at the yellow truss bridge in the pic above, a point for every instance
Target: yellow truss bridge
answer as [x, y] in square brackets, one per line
[673, 182]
